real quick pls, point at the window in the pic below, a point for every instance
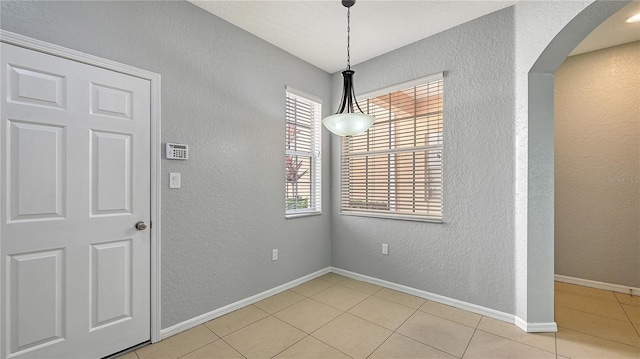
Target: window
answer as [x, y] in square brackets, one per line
[302, 161]
[394, 170]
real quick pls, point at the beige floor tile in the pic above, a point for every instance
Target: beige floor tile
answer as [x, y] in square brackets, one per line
[437, 332]
[311, 348]
[353, 336]
[235, 320]
[401, 347]
[265, 338]
[616, 330]
[590, 305]
[312, 287]
[585, 291]
[340, 297]
[400, 298]
[308, 315]
[333, 278]
[360, 286]
[544, 341]
[637, 326]
[627, 299]
[279, 301]
[179, 344]
[382, 312]
[451, 313]
[632, 312]
[216, 350]
[573, 344]
[129, 355]
[485, 345]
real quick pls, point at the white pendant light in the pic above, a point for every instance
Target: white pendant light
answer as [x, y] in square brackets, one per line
[347, 122]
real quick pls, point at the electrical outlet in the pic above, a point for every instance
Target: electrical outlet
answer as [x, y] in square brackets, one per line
[385, 249]
[274, 255]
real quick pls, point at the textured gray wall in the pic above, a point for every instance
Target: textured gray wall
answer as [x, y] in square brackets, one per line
[471, 256]
[597, 156]
[223, 94]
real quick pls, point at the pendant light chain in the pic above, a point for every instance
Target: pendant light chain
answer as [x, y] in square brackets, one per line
[349, 38]
[349, 120]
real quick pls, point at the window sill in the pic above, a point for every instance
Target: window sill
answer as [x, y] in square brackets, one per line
[301, 214]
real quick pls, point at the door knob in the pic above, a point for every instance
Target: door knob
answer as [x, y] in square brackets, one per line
[141, 226]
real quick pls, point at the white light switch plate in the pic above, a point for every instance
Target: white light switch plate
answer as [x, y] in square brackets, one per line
[174, 180]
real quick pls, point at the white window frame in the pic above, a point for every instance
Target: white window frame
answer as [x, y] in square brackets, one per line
[392, 195]
[315, 155]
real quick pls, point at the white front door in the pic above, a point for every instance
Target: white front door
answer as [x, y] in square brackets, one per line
[75, 179]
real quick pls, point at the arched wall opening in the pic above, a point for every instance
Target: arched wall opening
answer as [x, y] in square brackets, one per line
[535, 172]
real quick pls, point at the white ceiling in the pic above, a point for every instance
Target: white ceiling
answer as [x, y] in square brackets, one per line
[614, 31]
[315, 31]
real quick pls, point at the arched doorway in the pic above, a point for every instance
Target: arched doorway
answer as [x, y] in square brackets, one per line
[535, 160]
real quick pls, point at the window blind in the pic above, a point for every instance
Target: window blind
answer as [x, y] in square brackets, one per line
[394, 170]
[303, 161]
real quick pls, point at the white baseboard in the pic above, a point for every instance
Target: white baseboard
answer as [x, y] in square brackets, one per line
[193, 322]
[551, 327]
[505, 317]
[488, 312]
[598, 285]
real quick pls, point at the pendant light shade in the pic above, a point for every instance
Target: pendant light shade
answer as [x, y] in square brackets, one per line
[346, 121]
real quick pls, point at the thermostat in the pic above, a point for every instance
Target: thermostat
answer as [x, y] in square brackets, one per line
[176, 151]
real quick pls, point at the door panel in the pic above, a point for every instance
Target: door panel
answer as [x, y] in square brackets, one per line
[75, 173]
[111, 279]
[110, 101]
[111, 173]
[36, 87]
[35, 172]
[36, 315]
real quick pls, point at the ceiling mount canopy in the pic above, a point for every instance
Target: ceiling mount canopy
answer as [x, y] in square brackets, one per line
[346, 121]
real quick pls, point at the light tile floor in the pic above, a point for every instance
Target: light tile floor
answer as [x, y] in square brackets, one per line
[337, 317]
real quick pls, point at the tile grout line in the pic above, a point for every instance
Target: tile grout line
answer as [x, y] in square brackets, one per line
[425, 344]
[198, 348]
[637, 329]
[631, 321]
[603, 338]
[296, 342]
[393, 331]
[415, 310]
[519, 342]
[329, 345]
[591, 297]
[276, 318]
[327, 323]
[310, 297]
[453, 321]
[470, 339]
[598, 315]
[226, 335]
[347, 312]
[234, 348]
[369, 295]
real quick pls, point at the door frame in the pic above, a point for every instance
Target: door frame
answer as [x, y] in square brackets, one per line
[155, 152]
